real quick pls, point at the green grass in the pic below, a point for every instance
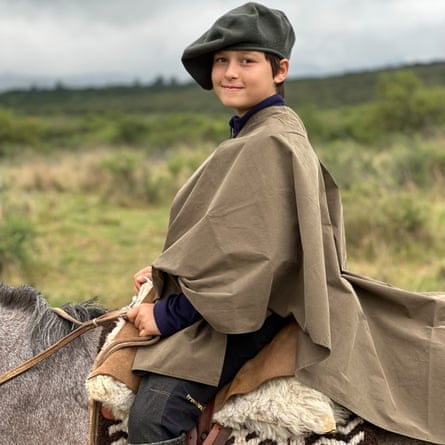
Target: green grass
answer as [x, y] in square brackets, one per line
[87, 176]
[89, 240]
[87, 248]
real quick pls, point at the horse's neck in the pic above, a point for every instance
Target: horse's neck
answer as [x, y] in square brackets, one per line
[15, 346]
[52, 394]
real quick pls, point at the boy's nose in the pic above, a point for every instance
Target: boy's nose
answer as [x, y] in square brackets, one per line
[231, 70]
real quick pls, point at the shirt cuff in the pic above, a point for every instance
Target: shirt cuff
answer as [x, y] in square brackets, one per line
[174, 313]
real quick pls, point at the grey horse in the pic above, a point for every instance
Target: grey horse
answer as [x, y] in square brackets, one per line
[48, 404]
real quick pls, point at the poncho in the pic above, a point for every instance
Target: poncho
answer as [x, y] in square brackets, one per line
[259, 228]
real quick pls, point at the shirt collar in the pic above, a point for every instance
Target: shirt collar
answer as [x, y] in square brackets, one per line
[237, 122]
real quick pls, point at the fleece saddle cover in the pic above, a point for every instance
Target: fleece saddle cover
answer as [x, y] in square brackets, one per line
[280, 410]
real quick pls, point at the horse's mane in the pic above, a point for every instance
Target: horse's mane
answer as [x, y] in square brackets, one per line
[44, 325]
[22, 297]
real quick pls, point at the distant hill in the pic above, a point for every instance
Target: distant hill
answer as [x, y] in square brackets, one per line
[330, 92]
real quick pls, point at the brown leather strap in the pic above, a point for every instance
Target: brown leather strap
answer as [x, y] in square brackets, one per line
[205, 422]
[191, 438]
[218, 435]
[207, 433]
[93, 422]
[84, 327]
[63, 314]
[115, 345]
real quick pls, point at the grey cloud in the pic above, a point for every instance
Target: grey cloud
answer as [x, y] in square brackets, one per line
[112, 12]
[143, 38]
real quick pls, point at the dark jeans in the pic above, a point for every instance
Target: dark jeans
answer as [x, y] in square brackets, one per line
[166, 407]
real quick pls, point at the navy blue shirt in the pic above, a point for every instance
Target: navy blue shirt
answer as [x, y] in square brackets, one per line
[175, 312]
[237, 122]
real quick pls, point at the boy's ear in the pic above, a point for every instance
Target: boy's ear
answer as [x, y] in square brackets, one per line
[283, 70]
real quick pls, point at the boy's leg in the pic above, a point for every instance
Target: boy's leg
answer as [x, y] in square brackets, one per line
[165, 408]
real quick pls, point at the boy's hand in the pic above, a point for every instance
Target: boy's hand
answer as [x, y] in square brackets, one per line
[140, 277]
[143, 318]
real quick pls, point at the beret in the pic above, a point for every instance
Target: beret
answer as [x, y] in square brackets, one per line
[252, 27]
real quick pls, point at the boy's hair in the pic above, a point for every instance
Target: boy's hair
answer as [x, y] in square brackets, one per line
[275, 64]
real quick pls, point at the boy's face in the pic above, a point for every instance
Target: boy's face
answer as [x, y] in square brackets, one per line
[242, 79]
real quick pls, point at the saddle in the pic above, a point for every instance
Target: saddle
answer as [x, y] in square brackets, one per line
[111, 387]
[242, 406]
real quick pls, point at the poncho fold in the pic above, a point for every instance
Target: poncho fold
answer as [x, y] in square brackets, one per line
[259, 228]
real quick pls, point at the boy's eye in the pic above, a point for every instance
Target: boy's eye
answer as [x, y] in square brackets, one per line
[241, 60]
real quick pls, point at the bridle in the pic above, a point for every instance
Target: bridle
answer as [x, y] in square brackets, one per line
[84, 327]
[146, 290]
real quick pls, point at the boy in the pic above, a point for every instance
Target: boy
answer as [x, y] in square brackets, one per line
[255, 244]
[244, 58]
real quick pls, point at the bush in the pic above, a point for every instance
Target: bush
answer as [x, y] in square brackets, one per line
[15, 131]
[123, 172]
[16, 238]
[179, 129]
[379, 221]
[131, 131]
[404, 105]
[418, 163]
[134, 177]
[350, 163]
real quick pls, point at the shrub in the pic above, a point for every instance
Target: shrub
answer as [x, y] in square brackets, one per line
[16, 131]
[131, 130]
[405, 105]
[379, 221]
[418, 163]
[16, 237]
[136, 177]
[350, 162]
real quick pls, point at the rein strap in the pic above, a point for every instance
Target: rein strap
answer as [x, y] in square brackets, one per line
[83, 327]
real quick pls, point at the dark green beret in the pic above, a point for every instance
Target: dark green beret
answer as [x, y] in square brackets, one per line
[251, 27]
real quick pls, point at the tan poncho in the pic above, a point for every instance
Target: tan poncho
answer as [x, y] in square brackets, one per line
[259, 227]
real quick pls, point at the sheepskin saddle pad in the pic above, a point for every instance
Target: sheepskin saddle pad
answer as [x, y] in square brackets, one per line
[281, 411]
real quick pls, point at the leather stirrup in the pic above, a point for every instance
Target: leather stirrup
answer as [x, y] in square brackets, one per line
[206, 433]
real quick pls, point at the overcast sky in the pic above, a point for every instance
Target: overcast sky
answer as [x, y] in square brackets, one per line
[100, 41]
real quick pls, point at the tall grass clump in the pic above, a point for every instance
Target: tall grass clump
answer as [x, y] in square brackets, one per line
[134, 178]
[17, 131]
[394, 208]
[16, 237]
[418, 162]
[379, 221]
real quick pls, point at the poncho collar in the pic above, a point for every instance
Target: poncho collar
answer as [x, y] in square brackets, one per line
[237, 123]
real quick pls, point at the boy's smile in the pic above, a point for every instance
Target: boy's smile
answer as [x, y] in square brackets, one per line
[231, 87]
[242, 79]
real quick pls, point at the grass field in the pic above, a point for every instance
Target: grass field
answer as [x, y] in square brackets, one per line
[87, 176]
[84, 244]
[93, 230]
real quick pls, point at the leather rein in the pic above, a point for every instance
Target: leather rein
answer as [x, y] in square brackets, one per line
[82, 329]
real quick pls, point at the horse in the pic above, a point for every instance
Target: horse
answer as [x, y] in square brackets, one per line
[48, 403]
